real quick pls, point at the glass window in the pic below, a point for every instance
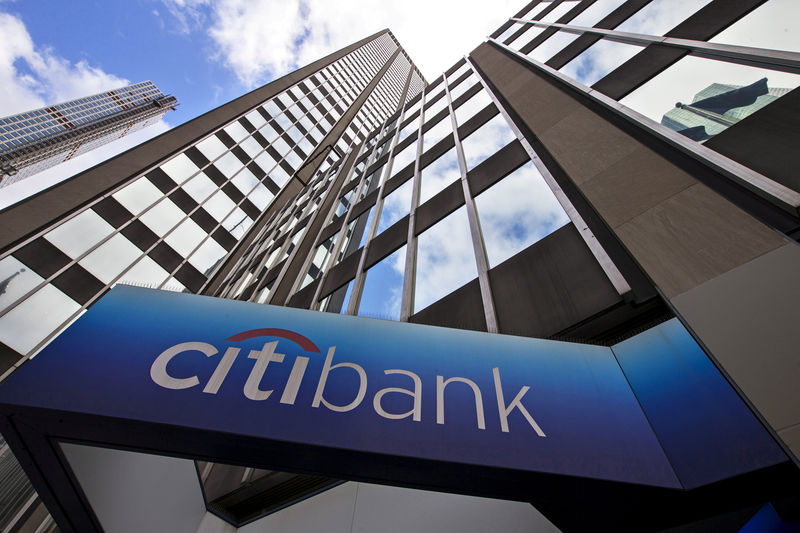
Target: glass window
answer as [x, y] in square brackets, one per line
[560, 10]
[138, 195]
[438, 175]
[219, 205]
[712, 95]
[320, 259]
[237, 223]
[445, 259]
[162, 217]
[401, 160]
[179, 168]
[260, 196]
[660, 16]
[211, 147]
[598, 60]
[517, 211]
[538, 8]
[462, 87]
[279, 176]
[80, 233]
[16, 279]
[437, 106]
[236, 131]
[530, 33]
[256, 118]
[145, 272]
[596, 12]
[228, 164]
[111, 258]
[269, 133]
[383, 288]
[185, 237]
[552, 46]
[468, 109]
[773, 25]
[251, 147]
[408, 129]
[199, 187]
[265, 161]
[33, 320]
[486, 141]
[442, 129]
[206, 258]
[396, 205]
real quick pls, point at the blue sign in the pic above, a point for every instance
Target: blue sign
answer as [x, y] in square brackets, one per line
[396, 389]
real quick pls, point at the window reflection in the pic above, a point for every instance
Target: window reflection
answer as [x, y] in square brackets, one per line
[552, 46]
[80, 233]
[773, 25]
[111, 258]
[236, 131]
[517, 211]
[207, 256]
[138, 195]
[445, 259]
[211, 147]
[560, 10]
[438, 175]
[712, 95]
[185, 237]
[396, 205]
[660, 16]
[598, 60]
[530, 33]
[162, 217]
[228, 164]
[33, 320]
[145, 272]
[16, 279]
[486, 140]
[468, 109]
[383, 288]
[596, 12]
[441, 130]
[179, 168]
[199, 187]
[338, 300]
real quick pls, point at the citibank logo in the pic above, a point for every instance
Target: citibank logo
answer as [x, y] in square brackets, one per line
[267, 355]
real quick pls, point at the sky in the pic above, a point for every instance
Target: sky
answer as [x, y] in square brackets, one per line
[205, 52]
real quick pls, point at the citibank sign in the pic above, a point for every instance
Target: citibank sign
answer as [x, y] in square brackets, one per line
[267, 356]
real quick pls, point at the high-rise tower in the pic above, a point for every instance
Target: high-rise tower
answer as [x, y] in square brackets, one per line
[529, 190]
[33, 141]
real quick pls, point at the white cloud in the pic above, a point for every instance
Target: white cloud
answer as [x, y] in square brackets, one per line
[32, 77]
[263, 39]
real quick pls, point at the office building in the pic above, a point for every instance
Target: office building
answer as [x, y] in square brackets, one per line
[530, 190]
[33, 141]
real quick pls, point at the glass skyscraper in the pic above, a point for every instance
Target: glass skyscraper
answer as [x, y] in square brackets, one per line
[33, 141]
[529, 190]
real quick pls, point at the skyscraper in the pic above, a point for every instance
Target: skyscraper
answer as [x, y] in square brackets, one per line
[33, 141]
[527, 191]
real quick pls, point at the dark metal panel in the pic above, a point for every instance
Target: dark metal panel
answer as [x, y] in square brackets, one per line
[161, 180]
[438, 207]
[340, 274]
[140, 235]
[496, 167]
[78, 284]
[387, 242]
[303, 298]
[461, 309]
[182, 199]
[42, 257]
[551, 285]
[112, 212]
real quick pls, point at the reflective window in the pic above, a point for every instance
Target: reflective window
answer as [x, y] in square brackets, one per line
[438, 175]
[269, 133]
[408, 129]
[772, 25]
[442, 129]
[138, 195]
[111, 258]
[206, 258]
[281, 146]
[383, 288]
[517, 211]
[251, 147]
[462, 87]
[145, 272]
[598, 60]
[552, 46]
[320, 259]
[185, 237]
[395, 206]
[445, 259]
[660, 16]
[265, 161]
[711, 95]
[211, 147]
[237, 223]
[16, 279]
[199, 187]
[468, 109]
[80, 233]
[596, 12]
[179, 168]
[245, 181]
[162, 217]
[279, 176]
[219, 205]
[486, 140]
[255, 118]
[560, 10]
[538, 8]
[260, 196]
[228, 164]
[33, 320]
[401, 160]
[236, 131]
[437, 106]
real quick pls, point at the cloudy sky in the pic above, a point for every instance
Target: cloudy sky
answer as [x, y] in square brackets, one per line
[205, 52]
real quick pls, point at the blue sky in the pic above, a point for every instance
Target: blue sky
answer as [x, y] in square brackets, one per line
[205, 52]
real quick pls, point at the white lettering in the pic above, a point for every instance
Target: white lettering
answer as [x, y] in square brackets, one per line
[515, 404]
[440, 386]
[293, 384]
[263, 359]
[158, 371]
[222, 370]
[416, 411]
[362, 388]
